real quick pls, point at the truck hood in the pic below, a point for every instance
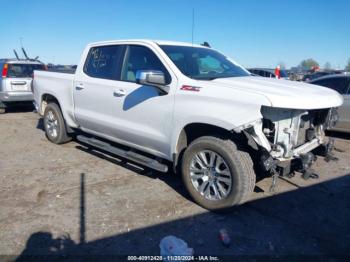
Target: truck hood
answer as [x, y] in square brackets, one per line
[285, 93]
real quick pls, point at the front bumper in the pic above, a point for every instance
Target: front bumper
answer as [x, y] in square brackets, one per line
[288, 134]
[16, 96]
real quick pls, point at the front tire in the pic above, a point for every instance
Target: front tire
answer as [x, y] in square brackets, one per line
[54, 124]
[216, 173]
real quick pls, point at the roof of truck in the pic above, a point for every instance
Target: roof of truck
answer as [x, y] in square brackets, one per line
[158, 42]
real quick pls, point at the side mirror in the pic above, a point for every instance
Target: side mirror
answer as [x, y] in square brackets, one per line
[152, 78]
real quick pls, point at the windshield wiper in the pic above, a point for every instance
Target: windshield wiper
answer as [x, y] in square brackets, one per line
[211, 77]
[216, 77]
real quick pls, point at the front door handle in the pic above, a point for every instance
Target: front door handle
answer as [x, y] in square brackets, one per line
[119, 92]
[79, 87]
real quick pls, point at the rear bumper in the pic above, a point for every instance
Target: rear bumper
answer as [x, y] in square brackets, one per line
[16, 96]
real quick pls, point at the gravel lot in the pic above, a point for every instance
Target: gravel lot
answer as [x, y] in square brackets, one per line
[127, 210]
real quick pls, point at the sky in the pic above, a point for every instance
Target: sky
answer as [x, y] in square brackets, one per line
[255, 33]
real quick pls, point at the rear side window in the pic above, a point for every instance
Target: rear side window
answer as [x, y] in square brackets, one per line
[23, 70]
[338, 84]
[104, 62]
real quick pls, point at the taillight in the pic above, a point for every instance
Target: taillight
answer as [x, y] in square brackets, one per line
[5, 70]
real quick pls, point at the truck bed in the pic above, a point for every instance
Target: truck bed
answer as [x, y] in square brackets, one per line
[58, 85]
[65, 71]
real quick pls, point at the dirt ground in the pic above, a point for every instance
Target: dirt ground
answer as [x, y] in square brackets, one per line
[70, 200]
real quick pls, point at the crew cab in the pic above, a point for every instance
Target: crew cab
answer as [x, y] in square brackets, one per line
[169, 104]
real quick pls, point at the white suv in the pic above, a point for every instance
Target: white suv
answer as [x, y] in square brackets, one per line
[16, 81]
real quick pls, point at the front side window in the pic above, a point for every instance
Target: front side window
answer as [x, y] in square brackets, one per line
[141, 58]
[202, 63]
[104, 62]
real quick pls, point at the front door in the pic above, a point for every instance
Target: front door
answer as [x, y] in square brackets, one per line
[145, 115]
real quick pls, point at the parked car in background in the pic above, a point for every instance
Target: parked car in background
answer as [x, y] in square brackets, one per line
[16, 81]
[318, 74]
[341, 84]
[296, 75]
[160, 102]
[62, 68]
[267, 72]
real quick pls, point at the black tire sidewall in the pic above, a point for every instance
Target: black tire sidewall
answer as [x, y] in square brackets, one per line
[233, 163]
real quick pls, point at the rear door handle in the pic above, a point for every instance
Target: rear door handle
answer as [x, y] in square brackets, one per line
[79, 87]
[119, 92]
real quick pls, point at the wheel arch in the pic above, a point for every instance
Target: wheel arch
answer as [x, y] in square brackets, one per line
[49, 98]
[45, 100]
[192, 131]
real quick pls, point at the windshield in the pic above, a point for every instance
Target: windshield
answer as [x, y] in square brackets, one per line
[202, 63]
[23, 70]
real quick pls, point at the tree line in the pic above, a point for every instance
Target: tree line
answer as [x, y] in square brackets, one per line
[312, 63]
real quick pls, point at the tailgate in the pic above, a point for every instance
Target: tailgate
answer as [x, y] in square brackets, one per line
[19, 84]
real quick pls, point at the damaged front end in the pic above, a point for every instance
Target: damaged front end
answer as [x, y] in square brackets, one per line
[289, 135]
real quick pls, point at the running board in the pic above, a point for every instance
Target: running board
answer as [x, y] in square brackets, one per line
[131, 155]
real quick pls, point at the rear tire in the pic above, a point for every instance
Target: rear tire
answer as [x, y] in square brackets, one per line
[225, 181]
[54, 124]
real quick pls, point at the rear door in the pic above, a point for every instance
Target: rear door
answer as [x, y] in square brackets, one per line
[93, 89]
[19, 76]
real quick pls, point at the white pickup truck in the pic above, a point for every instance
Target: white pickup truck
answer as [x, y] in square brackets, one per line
[163, 104]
